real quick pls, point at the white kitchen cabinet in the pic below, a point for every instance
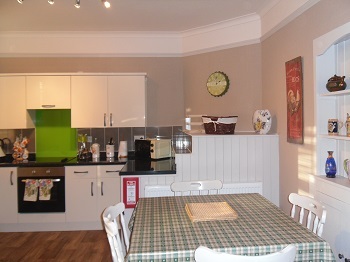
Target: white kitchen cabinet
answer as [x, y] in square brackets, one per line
[8, 195]
[89, 101]
[336, 198]
[127, 101]
[108, 182]
[331, 56]
[13, 113]
[89, 190]
[108, 101]
[48, 92]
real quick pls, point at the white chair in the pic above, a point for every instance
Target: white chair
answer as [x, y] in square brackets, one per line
[204, 254]
[200, 187]
[113, 219]
[315, 209]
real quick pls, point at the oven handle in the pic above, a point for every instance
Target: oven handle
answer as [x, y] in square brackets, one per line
[53, 180]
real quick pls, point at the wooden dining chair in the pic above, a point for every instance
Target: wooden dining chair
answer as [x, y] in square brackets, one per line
[113, 219]
[204, 254]
[316, 212]
[196, 187]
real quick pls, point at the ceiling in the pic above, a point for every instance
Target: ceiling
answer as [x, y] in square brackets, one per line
[124, 15]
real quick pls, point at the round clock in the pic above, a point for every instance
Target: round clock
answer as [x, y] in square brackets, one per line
[218, 83]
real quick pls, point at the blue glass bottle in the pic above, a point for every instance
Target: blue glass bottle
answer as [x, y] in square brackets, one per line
[331, 167]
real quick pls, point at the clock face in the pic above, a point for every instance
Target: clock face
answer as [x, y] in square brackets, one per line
[217, 84]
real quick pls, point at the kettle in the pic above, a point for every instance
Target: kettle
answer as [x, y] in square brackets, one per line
[2, 154]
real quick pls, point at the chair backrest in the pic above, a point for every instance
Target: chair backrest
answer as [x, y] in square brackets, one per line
[196, 187]
[113, 220]
[316, 212]
[204, 254]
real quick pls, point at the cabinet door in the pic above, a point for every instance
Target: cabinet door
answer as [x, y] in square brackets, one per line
[48, 92]
[8, 195]
[81, 194]
[89, 101]
[108, 186]
[13, 113]
[127, 100]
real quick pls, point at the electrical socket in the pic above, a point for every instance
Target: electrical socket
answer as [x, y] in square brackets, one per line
[89, 139]
[138, 137]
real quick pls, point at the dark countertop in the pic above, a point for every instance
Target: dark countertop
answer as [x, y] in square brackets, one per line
[149, 167]
[132, 166]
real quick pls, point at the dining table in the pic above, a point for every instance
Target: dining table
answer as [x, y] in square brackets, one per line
[170, 229]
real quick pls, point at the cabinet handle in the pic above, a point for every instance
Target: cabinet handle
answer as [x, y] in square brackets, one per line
[11, 181]
[48, 106]
[104, 119]
[101, 188]
[81, 172]
[92, 191]
[113, 171]
[110, 119]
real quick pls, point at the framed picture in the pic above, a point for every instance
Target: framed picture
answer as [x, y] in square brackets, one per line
[294, 84]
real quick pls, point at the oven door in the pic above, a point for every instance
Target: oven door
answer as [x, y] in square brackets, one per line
[54, 203]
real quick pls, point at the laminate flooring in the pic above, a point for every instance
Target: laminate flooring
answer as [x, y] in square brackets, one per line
[55, 246]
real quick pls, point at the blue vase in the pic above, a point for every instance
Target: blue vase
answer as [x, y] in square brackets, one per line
[331, 167]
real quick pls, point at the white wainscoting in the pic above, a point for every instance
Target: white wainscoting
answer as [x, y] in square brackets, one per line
[239, 158]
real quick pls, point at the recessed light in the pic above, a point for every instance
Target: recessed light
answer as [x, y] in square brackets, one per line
[106, 3]
[51, 2]
[77, 3]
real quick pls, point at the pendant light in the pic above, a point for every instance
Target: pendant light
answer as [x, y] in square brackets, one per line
[51, 2]
[77, 3]
[106, 3]
[20, 1]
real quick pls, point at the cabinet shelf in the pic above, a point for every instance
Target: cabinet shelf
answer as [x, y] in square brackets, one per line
[339, 137]
[337, 93]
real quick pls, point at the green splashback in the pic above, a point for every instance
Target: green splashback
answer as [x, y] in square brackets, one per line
[54, 136]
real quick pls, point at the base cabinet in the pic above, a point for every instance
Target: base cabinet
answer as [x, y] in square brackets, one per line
[8, 195]
[89, 190]
[336, 199]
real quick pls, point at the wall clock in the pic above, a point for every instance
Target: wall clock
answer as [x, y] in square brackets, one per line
[218, 83]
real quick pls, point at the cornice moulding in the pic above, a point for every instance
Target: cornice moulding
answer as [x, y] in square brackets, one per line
[245, 30]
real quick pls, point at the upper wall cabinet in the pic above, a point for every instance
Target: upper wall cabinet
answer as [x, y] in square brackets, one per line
[108, 101]
[13, 113]
[89, 101]
[48, 92]
[127, 101]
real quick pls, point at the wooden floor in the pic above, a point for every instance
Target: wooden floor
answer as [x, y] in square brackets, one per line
[55, 246]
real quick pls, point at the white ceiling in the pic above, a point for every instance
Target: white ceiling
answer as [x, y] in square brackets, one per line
[124, 15]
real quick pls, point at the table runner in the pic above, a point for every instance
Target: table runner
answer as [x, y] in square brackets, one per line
[162, 231]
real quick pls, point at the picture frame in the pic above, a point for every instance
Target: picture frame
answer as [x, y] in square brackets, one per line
[294, 95]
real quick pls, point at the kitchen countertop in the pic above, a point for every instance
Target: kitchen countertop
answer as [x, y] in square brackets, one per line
[149, 167]
[132, 166]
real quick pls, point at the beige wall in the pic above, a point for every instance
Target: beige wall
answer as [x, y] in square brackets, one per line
[293, 40]
[164, 90]
[243, 67]
[257, 80]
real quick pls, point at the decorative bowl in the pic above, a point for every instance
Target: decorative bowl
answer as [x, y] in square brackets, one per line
[262, 121]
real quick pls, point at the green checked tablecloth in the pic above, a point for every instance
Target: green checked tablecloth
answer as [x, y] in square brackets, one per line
[162, 230]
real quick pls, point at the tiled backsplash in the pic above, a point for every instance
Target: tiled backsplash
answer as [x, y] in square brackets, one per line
[181, 141]
[103, 135]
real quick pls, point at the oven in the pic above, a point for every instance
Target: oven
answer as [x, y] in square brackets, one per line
[41, 189]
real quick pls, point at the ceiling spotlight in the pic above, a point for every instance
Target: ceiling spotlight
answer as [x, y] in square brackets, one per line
[106, 3]
[77, 3]
[51, 2]
[20, 1]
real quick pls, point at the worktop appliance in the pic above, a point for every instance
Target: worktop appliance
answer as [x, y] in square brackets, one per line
[153, 148]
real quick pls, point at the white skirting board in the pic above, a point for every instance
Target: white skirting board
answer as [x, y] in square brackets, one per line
[232, 188]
